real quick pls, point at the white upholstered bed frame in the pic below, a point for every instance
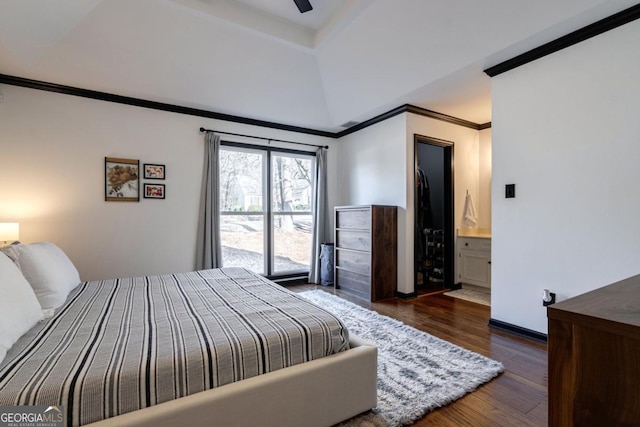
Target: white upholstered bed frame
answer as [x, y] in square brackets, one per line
[319, 393]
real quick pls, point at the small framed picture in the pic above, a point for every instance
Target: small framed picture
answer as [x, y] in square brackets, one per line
[154, 171]
[121, 180]
[154, 191]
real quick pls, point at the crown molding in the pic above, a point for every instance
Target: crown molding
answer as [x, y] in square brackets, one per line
[575, 37]
[408, 108]
[144, 103]
[444, 117]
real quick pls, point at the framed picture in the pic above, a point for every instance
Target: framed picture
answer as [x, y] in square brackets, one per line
[121, 180]
[154, 171]
[154, 191]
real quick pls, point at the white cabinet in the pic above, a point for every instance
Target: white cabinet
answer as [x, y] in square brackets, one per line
[474, 261]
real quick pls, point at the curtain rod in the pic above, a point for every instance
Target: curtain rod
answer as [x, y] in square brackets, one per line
[262, 137]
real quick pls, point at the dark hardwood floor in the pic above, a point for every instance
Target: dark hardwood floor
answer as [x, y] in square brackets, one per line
[518, 397]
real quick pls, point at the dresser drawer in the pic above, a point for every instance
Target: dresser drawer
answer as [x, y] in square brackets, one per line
[359, 284]
[354, 218]
[358, 262]
[353, 239]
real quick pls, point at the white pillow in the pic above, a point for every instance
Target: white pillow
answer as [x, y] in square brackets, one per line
[48, 270]
[19, 307]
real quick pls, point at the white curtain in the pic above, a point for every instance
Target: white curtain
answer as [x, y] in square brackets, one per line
[319, 213]
[209, 248]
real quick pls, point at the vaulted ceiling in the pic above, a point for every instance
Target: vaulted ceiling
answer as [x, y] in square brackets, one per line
[344, 61]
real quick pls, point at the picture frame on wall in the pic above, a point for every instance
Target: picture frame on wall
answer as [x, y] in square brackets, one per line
[153, 191]
[153, 171]
[121, 180]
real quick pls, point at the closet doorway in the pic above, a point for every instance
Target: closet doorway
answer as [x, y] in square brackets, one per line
[434, 215]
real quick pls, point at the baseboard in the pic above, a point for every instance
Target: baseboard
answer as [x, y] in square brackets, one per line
[518, 330]
[402, 295]
[295, 280]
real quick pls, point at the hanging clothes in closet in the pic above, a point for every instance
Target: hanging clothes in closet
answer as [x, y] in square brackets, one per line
[424, 220]
[429, 241]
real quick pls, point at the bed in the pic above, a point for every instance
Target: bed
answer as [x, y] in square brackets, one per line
[224, 347]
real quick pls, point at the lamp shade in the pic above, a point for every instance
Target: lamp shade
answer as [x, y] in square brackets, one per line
[9, 231]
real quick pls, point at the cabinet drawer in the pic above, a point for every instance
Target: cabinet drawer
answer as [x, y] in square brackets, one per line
[353, 239]
[475, 244]
[354, 218]
[359, 262]
[359, 284]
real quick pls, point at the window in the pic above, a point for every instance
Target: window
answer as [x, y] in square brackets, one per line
[265, 209]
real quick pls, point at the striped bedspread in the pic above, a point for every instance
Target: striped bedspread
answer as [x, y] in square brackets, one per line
[121, 345]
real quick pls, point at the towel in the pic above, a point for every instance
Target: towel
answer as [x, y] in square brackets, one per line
[470, 212]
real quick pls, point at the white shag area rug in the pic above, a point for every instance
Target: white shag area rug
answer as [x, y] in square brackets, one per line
[471, 293]
[417, 372]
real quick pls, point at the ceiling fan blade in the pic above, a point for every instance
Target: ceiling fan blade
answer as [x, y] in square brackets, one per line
[303, 5]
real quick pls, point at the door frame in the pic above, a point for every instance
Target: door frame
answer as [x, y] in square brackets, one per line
[449, 235]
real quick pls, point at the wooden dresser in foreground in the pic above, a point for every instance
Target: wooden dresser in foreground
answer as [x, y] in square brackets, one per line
[366, 250]
[594, 357]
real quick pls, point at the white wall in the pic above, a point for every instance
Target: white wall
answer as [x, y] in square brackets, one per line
[372, 164]
[565, 131]
[376, 166]
[483, 208]
[52, 181]
[372, 170]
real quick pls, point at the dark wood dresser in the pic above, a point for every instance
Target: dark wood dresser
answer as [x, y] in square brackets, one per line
[594, 357]
[366, 250]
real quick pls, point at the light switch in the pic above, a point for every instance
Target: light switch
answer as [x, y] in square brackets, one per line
[510, 191]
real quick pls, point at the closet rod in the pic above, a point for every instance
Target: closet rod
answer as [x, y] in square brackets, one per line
[262, 137]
